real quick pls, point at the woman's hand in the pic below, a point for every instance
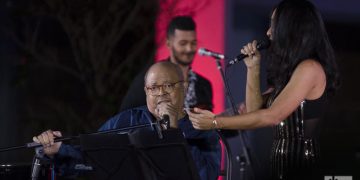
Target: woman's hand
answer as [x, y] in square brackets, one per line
[201, 119]
[254, 56]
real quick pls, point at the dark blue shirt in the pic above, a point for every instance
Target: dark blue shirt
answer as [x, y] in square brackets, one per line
[204, 145]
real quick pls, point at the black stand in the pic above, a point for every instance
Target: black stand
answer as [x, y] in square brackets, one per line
[36, 166]
[156, 126]
[139, 155]
[245, 158]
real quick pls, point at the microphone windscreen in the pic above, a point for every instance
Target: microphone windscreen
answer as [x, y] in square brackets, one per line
[202, 51]
[166, 117]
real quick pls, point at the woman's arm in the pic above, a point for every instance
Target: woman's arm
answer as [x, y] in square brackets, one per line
[307, 82]
[253, 97]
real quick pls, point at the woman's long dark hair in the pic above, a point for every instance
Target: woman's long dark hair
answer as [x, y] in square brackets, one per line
[298, 33]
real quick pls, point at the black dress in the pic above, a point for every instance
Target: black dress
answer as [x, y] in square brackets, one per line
[295, 152]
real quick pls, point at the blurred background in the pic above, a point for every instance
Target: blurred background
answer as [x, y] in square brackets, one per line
[66, 65]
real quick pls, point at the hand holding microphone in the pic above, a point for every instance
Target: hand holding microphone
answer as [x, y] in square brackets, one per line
[168, 113]
[252, 54]
[249, 51]
[264, 44]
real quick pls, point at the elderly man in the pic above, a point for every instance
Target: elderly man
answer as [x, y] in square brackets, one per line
[165, 91]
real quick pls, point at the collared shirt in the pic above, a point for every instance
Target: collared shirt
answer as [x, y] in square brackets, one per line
[204, 145]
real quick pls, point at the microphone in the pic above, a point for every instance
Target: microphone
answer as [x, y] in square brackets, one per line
[264, 44]
[206, 52]
[163, 124]
[165, 121]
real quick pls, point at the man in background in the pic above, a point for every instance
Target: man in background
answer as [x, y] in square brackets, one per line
[182, 44]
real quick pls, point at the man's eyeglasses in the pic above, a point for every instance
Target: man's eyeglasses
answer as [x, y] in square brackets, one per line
[167, 87]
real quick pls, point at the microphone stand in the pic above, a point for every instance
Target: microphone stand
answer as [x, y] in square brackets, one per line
[244, 159]
[156, 125]
[36, 165]
[39, 154]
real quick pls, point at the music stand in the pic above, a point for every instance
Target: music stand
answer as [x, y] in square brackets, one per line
[139, 155]
[111, 156]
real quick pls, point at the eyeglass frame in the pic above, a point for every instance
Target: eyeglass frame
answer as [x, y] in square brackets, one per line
[163, 88]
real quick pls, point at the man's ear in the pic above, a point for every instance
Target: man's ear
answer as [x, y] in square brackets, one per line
[169, 41]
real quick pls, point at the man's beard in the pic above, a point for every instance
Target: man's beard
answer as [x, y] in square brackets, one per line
[181, 62]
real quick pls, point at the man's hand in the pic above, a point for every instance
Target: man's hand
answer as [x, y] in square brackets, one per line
[171, 111]
[47, 140]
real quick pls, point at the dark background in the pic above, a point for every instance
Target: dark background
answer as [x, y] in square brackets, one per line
[66, 64]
